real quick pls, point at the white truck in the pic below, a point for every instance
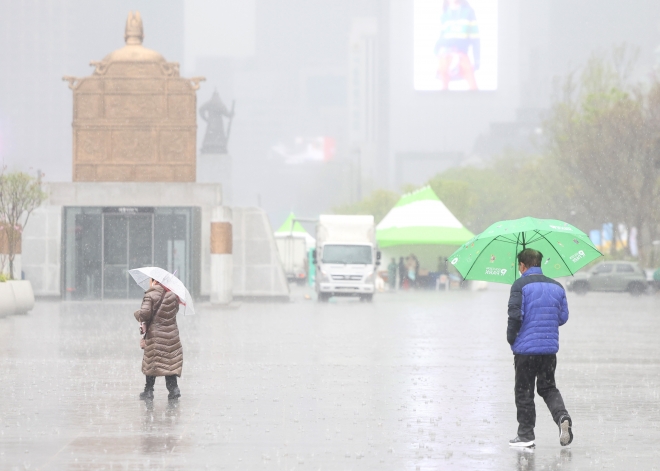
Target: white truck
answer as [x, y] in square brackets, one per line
[293, 253]
[346, 257]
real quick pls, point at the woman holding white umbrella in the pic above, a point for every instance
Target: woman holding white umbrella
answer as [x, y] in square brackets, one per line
[163, 354]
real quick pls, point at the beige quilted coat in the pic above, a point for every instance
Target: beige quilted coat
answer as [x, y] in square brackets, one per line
[163, 355]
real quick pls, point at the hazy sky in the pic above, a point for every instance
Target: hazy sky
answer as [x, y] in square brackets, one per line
[218, 28]
[286, 63]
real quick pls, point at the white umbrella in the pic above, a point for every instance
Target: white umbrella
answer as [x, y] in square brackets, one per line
[143, 276]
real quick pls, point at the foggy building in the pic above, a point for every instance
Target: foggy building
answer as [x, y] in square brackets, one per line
[294, 84]
[558, 37]
[364, 102]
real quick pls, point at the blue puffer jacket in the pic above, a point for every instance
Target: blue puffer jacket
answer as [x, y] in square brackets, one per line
[537, 307]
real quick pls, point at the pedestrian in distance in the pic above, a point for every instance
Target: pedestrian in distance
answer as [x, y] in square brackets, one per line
[403, 271]
[537, 307]
[413, 270]
[391, 274]
[163, 354]
[442, 273]
[416, 266]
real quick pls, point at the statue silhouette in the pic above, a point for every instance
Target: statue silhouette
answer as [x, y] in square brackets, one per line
[216, 138]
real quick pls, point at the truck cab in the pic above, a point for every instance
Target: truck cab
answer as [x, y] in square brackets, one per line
[346, 257]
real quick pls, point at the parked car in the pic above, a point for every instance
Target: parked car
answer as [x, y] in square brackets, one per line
[610, 276]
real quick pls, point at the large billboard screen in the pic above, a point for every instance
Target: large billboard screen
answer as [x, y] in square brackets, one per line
[455, 45]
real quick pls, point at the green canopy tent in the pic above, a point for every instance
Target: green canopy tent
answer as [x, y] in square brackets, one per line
[293, 228]
[422, 225]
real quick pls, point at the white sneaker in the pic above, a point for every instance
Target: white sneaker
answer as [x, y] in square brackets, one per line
[519, 442]
[565, 432]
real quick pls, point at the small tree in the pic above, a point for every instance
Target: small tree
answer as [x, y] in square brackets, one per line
[20, 194]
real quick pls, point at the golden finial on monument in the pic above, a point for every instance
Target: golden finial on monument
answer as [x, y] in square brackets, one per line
[134, 31]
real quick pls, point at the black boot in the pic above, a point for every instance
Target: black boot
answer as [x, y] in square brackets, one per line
[174, 394]
[172, 387]
[148, 393]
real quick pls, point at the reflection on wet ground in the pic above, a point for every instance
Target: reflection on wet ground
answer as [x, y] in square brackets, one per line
[412, 381]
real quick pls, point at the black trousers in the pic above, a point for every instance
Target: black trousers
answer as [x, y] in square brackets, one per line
[170, 382]
[539, 368]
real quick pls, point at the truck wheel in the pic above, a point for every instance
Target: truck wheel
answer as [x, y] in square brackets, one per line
[323, 297]
[367, 298]
[581, 288]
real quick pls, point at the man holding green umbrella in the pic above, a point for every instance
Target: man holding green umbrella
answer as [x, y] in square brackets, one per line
[528, 253]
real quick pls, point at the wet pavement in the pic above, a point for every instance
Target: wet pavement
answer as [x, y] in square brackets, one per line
[412, 381]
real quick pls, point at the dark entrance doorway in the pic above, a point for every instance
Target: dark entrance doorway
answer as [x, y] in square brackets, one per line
[102, 244]
[128, 242]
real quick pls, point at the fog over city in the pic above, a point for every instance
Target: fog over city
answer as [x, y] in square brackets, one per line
[347, 234]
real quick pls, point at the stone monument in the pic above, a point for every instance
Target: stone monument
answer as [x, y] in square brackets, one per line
[134, 158]
[214, 164]
[134, 119]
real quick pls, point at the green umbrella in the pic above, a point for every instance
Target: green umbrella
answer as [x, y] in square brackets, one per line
[492, 255]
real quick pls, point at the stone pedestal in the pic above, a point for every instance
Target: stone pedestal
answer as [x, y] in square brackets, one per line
[222, 267]
[216, 168]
